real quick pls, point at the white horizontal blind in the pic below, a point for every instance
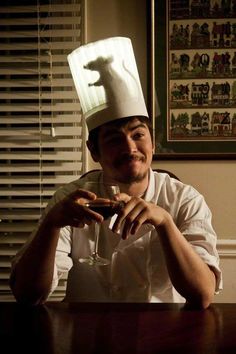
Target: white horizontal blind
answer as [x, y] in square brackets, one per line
[41, 144]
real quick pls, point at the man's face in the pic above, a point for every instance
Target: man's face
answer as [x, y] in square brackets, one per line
[125, 153]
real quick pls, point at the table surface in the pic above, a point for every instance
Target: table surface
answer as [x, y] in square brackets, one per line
[62, 328]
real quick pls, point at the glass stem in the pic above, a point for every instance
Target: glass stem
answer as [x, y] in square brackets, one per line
[97, 231]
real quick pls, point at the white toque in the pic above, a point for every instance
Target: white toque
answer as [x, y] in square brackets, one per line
[107, 81]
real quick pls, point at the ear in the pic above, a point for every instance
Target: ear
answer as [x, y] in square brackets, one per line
[94, 154]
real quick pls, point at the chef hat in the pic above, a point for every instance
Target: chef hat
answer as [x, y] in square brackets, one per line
[107, 81]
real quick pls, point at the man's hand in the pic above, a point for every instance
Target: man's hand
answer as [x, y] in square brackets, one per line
[72, 210]
[137, 212]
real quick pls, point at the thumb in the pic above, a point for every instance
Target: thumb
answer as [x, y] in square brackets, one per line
[122, 197]
[82, 194]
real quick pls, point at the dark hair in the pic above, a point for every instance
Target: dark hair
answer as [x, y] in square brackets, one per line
[94, 133]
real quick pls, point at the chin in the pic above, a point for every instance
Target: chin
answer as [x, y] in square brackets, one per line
[128, 178]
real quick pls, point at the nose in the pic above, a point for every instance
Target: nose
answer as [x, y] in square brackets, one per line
[129, 145]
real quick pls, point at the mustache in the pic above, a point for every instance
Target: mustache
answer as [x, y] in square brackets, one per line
[128, 158]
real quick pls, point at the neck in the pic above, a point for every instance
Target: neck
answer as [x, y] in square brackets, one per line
[136, 188]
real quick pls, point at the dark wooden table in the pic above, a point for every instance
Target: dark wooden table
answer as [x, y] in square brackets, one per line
[60, 328]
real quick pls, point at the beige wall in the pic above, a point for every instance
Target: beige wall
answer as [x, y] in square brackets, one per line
[108, 18]
[215, 179]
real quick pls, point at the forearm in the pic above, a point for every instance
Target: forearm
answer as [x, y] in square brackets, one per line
[191, 277]
[32, 276]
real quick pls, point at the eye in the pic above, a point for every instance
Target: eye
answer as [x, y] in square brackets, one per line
[112, 140]
[138, 135]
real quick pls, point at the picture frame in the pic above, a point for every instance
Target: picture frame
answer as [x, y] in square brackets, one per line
[193, 108]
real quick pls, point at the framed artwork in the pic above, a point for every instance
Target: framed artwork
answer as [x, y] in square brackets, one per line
[193, 78]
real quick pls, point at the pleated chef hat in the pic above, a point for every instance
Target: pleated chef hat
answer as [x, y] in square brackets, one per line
[107, 81]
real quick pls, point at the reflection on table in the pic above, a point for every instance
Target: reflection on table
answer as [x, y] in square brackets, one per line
[61, 328]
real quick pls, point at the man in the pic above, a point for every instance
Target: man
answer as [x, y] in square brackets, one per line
[161, 245]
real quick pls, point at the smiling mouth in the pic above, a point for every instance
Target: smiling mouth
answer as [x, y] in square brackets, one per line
[129, 159]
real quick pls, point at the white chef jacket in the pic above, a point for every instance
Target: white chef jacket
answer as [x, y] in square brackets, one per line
[138, 271]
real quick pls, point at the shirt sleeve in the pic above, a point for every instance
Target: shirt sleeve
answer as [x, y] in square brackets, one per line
[195, 223]
[63, 261]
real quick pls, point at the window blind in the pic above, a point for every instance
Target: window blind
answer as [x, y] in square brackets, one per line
[41, 145]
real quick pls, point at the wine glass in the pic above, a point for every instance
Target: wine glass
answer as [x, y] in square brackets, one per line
[105, 205]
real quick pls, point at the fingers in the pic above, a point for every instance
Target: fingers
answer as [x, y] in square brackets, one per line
[78, 222]
[82, 195]
[84, 215]
[74, 212]
[122, 197]
[132, 216]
